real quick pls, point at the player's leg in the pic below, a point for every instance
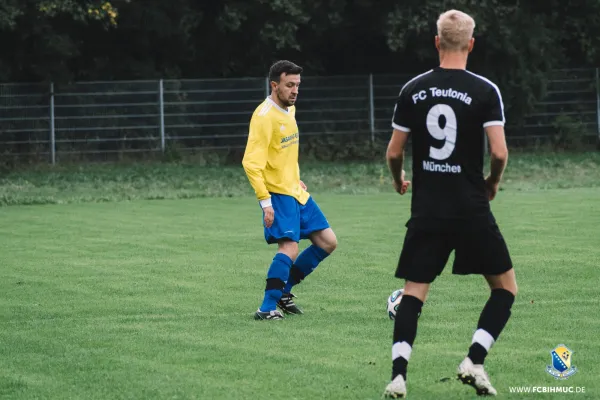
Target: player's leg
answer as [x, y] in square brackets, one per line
[423, 258]
[278, 275]
[405, 333]
[486, 253]
[285, 231]
[314, 226]
[495, 314]
[492, 321]
[324, 242]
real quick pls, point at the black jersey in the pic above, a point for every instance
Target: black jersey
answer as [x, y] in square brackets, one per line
[446, 111]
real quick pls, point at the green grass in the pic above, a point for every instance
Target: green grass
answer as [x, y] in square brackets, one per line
[118, 182]
[154, 299]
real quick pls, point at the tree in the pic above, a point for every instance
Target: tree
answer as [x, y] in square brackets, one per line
[42, 35]
[517, 42]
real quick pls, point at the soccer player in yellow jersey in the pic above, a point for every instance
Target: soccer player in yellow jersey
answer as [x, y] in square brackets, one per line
[289, 212]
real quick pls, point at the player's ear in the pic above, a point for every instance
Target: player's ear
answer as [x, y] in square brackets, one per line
[471, 44]
[437, 42]
[273, 85]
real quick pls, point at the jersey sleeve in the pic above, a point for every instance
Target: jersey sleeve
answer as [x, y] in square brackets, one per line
[402, 112]
[494, 109]
[256, 153]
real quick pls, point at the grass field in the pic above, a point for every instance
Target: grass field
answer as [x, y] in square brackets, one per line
[140, 299]
[154, 181]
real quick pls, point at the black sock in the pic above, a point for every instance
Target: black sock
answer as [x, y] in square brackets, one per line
[493, 318]
[477, 353]
[405, 331]
[399, 367]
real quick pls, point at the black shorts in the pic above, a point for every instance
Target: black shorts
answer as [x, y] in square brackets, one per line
[425, 254]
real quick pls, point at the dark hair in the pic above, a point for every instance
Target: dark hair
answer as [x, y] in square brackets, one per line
[283, 67]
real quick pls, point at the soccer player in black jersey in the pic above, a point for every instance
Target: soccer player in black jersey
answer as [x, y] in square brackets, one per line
[445, 111]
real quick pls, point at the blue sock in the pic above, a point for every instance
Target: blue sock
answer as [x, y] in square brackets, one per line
[306, 263]
[277, 277]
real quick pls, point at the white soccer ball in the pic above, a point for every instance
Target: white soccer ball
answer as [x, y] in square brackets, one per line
[393, 302]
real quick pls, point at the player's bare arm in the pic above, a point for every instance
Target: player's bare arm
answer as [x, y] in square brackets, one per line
[499, 158]
[395, 160]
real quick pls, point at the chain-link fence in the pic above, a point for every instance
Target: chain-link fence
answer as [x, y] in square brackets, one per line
[93, 120]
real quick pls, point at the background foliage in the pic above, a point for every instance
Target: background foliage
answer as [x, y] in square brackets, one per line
[517, 43]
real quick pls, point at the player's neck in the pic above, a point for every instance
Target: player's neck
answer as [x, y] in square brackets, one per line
[275, 99]
[453, 60]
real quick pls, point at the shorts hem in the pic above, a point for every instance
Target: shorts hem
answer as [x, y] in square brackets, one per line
[273, 239]
[415, 280]
[494, 272]
[307, 233]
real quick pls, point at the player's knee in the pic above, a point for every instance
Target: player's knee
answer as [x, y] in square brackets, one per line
[325, 240]
[417, 289]
[509, 287]
[505, 280]
[289, 248]
[331, 243]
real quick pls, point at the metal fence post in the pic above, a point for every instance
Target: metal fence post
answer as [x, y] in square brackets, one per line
[52, 131]
[161, 102]
[485, 143]
[371, 109]
[267, 86]
[598, 101]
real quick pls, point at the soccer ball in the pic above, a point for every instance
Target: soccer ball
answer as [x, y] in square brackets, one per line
[393, 302]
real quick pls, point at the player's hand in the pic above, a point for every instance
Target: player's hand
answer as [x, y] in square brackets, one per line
[269, 216]
[491, 188]
[303, 186]
[402, 186]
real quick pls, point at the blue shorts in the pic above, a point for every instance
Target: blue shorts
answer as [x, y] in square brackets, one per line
[294, 220]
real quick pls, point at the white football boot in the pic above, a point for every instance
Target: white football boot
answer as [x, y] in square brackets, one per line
[475, 376]
[396, 389]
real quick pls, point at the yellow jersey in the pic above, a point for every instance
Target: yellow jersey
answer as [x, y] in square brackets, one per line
[271, 155]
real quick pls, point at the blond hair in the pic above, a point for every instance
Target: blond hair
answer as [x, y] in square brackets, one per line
[455, 30]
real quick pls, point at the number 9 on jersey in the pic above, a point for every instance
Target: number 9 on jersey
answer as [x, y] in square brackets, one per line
[447, 133]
